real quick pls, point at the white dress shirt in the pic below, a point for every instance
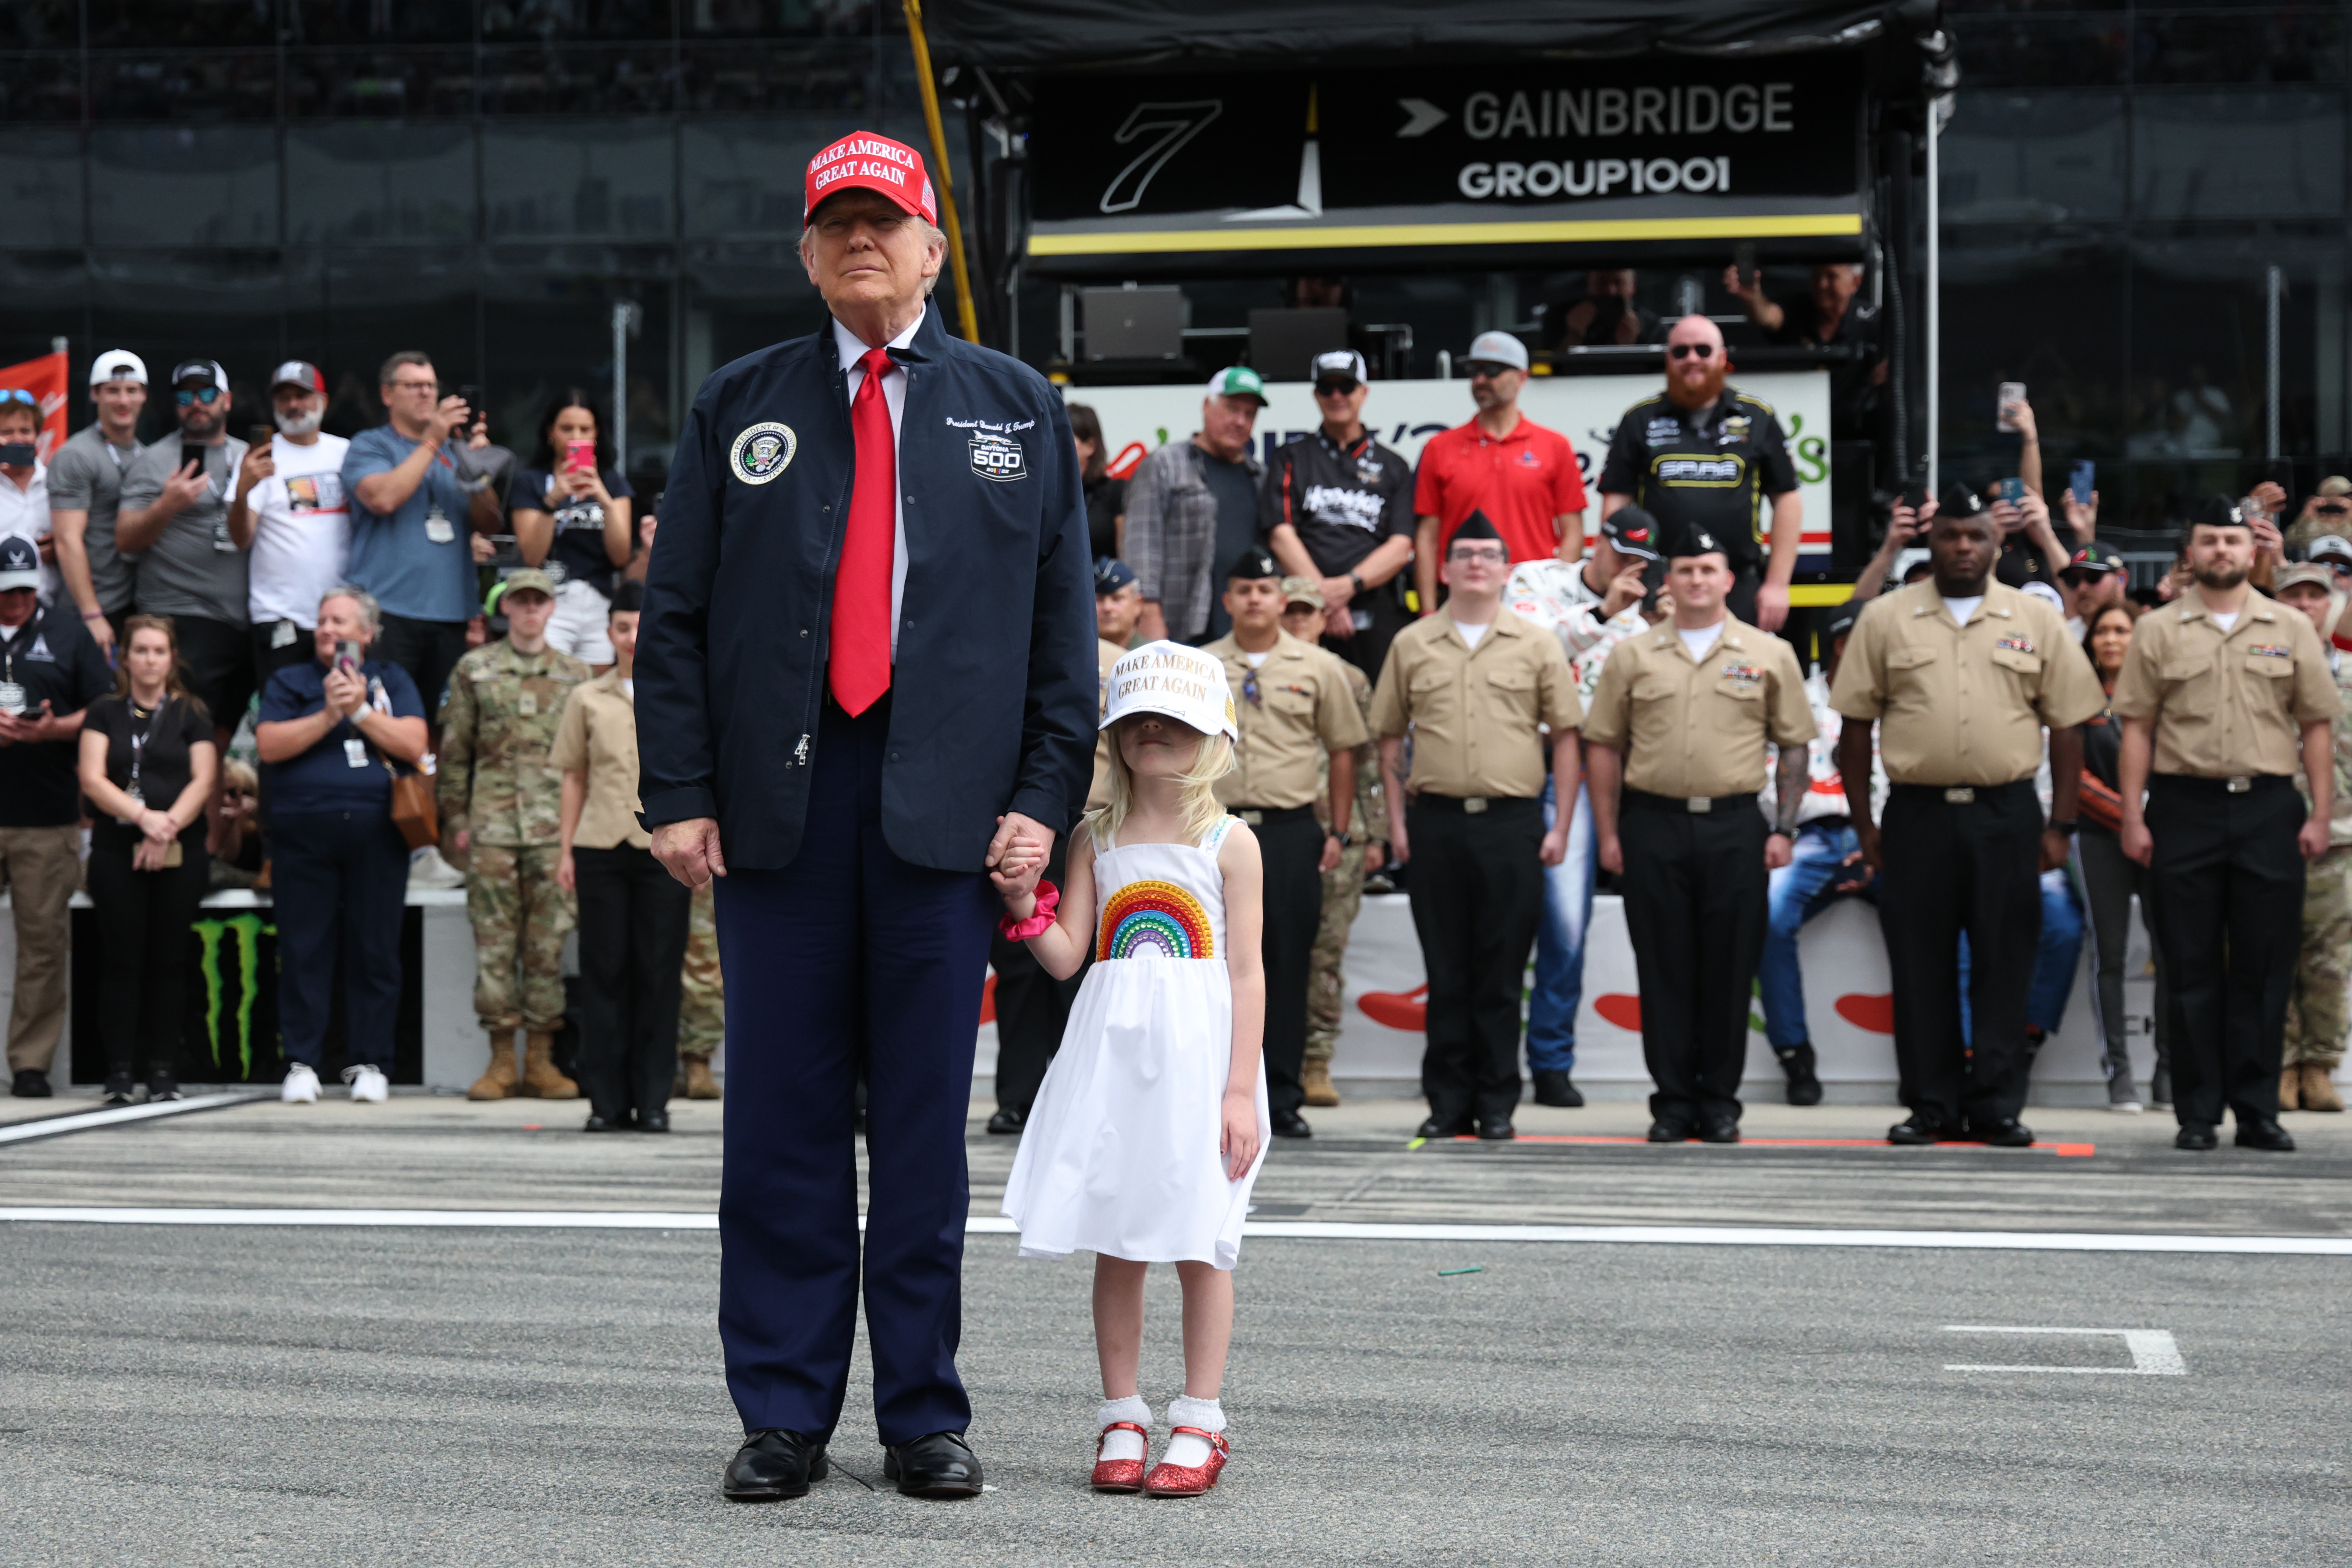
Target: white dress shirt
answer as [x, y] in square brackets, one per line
[27, 513]
[894, 393]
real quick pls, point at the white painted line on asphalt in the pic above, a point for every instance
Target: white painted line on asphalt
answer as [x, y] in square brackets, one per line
[2153, 1352]
[88, 1120]
[1271, 1230]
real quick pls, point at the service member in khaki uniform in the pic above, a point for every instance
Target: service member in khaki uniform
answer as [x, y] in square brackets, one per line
[1680, 718]
[1296, 714]
[1963, 675]
[2318, 1020]
[500, 800]
[1476, 686]
[2223, 693]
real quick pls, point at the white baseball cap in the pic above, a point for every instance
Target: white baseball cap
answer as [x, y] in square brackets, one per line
[1176, 682]
[1498, 348]
[118, 365]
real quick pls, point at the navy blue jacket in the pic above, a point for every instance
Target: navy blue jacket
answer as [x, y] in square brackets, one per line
[994, 693]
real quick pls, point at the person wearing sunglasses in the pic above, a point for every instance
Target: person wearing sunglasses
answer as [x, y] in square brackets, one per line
[2328, 510]
[1705, 455]
[175, 519]
[1336, 506]
[24, 480]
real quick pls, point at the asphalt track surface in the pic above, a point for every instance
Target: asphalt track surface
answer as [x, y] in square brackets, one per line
[354, 1394]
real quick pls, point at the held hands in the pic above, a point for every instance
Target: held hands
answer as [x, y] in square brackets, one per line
[1016, 860]
[1238, 1141]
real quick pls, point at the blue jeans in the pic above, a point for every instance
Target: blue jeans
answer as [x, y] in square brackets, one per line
[2054, 960]
[1800, 890]
[1560, 943]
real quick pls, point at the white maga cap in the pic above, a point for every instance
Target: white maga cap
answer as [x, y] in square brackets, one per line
[1498, 348]
[118, 365]
[1176, 682]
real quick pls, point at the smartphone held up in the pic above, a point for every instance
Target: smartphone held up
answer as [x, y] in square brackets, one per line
[2011, 398]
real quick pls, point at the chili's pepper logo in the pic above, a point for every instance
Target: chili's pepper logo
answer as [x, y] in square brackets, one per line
[247, 929]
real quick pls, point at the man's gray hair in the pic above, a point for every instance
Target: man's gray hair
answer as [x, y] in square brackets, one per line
[416, 357]
[933, 234]
[370, 611]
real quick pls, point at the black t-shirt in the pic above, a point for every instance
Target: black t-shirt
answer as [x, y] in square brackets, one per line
[1235, 489]
[52, 658]
[1105, 500]
[1601, 330]
[578, 554]
[1715, 467]
[1852, 394]
[151, 746]
[1345, 501]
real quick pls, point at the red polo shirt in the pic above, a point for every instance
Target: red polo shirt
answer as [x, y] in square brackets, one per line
[1521, 481]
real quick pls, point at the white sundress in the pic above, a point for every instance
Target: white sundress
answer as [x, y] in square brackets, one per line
[1120, 1152]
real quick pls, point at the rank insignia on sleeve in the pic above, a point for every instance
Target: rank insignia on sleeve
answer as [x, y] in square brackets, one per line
[761, 452]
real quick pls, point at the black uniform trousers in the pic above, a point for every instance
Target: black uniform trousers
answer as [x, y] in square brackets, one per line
[2227, 906]
[1953, 867]
[1290, 847]
[1476, 890]
[1032, 1008]
[1695, 897]
[632, 921]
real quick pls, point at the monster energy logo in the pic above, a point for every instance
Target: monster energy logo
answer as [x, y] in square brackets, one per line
[249, 931]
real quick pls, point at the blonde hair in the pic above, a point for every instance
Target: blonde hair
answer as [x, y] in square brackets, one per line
[1197, 783]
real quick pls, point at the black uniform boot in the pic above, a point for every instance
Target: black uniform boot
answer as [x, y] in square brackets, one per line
[1797, 1062]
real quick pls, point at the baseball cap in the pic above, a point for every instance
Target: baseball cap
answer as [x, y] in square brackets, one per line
[1238, 380]
[529, 580]
[1843, 622]
[20, 563]
[1909, 560]
[2307, 572]
[1497, 347]
[1339, 365]
[2335, 485]
[1630, 530]
[299, 373]
[1111, 574]
[118, 365]
[207, 371]
[2097, 558]
[1175, 682]
[2329, 544]
[863, 161]
[1302, 591]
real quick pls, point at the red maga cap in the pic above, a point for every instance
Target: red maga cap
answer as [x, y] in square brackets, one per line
[863, 161]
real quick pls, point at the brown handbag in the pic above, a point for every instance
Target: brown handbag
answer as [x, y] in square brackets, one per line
[413, 810]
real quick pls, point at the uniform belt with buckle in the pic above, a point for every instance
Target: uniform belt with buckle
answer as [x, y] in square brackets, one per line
[2241, 785]
[1474, 804]
[1259, 816]
[1962, 796]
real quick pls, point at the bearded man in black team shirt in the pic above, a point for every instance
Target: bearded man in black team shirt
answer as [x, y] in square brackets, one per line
[1336, 506]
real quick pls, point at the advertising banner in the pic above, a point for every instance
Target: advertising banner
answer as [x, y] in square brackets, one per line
[46, 378]
[1405, 413]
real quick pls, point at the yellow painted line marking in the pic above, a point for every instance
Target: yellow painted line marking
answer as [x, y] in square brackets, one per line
[1158, 241]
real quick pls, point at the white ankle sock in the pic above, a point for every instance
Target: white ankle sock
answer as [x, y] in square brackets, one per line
[1123, 1445]
[1184, 1450]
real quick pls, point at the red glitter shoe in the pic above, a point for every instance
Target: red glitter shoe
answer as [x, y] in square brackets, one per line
[1119, 1475]
[1188, 1480]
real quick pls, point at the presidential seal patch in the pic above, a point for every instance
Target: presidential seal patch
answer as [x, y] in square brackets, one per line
[998, 458]
[762, 451]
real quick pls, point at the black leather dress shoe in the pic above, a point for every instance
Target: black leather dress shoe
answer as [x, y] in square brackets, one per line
[1445, 1127]
[653, 1120]
[1720, 1130]
[1915, 1131]
[1665, 1132]
[31, 1083]
[596, 1124]
[1008, 1121]
[1497, 1129]
[2265, 1133]
[771, 1463]
[2196, 1135]
[942, 1464]
[2008, 1132]
[1554, 1089]
[1290, 1124]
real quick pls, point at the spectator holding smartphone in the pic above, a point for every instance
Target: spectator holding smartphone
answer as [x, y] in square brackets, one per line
[86, 495]
[2328, 510]
[148, 763]
[409, 503]
[24, 480]
[570, 510]
[290, 515]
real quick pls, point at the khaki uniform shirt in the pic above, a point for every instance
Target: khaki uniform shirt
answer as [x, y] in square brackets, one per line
[494, 779]
[1696, 727]
[1368, 815]
[1964, 705]
[1106, 654]
[2339, 826]
[599, 738]
[2226, 704]
[1476, 714]
[1303, 712]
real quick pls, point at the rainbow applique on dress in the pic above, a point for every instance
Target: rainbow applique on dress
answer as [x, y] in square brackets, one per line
[1155, 917]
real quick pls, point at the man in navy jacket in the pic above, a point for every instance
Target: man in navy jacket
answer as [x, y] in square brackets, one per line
[865, 662]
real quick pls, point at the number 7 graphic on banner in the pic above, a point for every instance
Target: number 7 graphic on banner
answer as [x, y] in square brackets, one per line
[1177, 124]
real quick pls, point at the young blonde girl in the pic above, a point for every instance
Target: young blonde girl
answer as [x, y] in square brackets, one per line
[1149, 1130]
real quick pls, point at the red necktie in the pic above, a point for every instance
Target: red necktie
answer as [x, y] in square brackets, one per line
[858, 652]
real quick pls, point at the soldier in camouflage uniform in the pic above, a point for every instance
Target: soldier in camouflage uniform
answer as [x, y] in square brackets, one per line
[1343, 884]
[2318, 1014]
[501, 803]
[702, 1001]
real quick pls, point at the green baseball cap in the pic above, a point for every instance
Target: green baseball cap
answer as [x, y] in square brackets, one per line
[1239, 380]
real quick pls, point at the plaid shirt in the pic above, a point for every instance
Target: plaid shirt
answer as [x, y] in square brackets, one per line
[1171, 530]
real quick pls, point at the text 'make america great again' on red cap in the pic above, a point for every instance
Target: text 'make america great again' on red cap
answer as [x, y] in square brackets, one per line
[863, 161]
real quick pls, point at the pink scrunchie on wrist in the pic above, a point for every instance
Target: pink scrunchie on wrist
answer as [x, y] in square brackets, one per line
[1049, 899]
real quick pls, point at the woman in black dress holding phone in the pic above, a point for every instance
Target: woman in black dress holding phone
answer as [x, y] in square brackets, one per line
[148, 763]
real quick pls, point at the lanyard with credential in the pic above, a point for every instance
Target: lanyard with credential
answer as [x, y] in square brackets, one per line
[139, 744]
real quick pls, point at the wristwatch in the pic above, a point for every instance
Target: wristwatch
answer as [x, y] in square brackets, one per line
[1345, 841]
[1357, 578]
[2065, 826]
